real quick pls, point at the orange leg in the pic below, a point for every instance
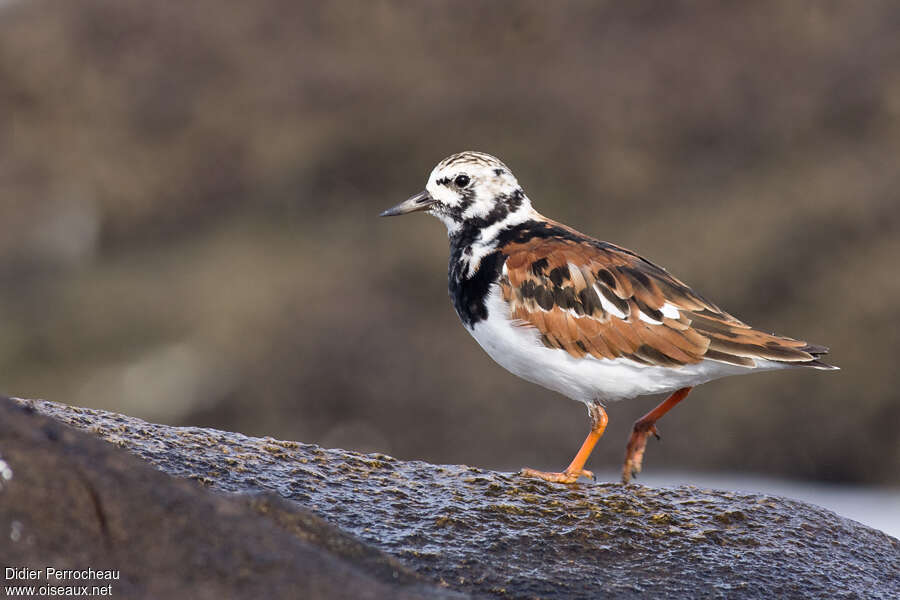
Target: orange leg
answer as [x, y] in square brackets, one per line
[576, 467]
[643, 427]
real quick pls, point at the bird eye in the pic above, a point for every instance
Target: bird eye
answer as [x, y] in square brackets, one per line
[461, 181]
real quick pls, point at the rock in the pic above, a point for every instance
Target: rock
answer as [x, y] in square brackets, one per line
[71, 501]
[496, 533]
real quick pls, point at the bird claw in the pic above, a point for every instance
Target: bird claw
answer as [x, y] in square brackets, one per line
[634, 452]
[632, 467]
[560, 477]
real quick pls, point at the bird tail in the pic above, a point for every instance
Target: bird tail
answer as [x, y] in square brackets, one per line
[816, 352]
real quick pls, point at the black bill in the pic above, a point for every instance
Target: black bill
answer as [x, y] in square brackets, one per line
[420, 201]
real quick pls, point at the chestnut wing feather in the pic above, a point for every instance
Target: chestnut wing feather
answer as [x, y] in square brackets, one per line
[593, 298]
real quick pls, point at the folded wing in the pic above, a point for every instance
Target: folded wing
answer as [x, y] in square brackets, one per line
[590, 297]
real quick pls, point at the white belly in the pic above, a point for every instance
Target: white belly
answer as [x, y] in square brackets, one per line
[518, 349]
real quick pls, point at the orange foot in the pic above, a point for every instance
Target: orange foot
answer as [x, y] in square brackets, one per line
[567, 476]
[634, 452]
[643, 427]
[576, 467]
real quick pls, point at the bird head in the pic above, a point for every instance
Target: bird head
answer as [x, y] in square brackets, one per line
[469, 188]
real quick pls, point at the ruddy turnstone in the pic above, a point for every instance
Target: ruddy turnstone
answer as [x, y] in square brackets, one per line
[585, 318]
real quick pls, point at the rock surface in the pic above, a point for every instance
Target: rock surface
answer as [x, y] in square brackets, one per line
[495, 533]
[71, 501]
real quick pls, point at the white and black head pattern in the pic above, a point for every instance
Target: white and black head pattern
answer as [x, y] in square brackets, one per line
[474, 190]
[480, 201]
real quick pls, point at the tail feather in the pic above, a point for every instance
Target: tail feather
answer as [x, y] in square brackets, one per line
[815, 349]
[816, 352]
[818, 364]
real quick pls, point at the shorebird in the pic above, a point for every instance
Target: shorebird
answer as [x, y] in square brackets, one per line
[585, 318]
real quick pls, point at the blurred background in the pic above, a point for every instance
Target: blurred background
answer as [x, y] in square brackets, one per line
[189, 191]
